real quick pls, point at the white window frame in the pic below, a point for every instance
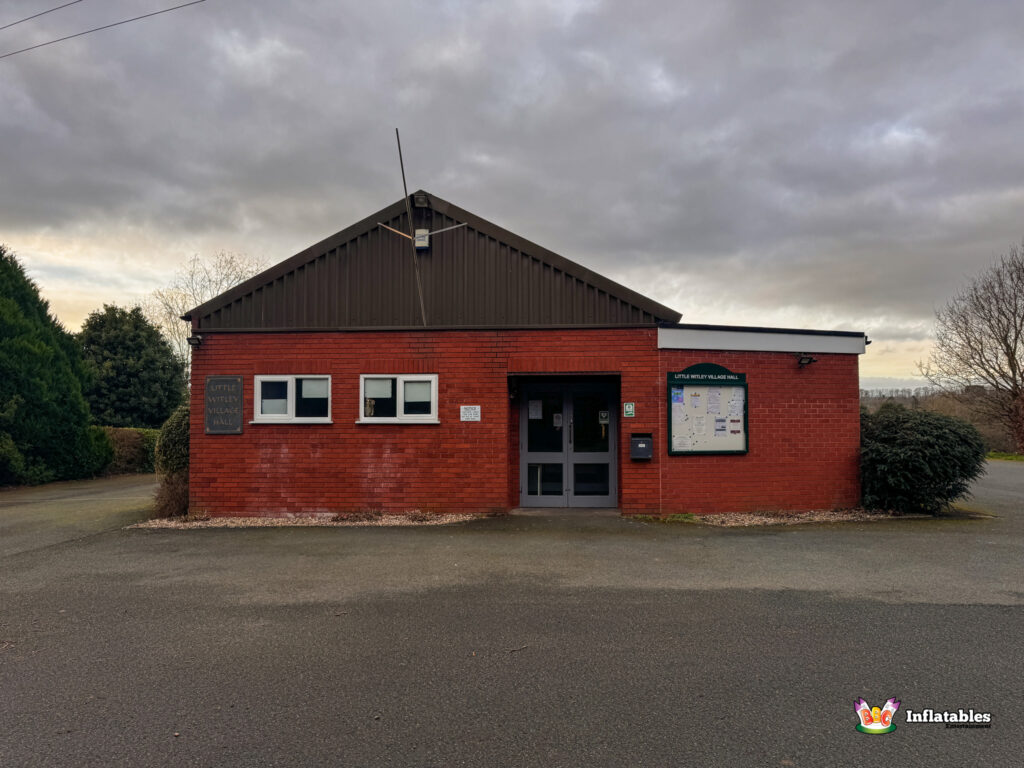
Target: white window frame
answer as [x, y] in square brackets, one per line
[289, 417]
[400, 417]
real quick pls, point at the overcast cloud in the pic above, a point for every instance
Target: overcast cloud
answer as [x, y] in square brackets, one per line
[821, 164]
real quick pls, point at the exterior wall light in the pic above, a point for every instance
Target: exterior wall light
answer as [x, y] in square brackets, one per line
[194, 341]
[803, 360]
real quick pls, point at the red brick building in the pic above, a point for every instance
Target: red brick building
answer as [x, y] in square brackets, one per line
[486, 373]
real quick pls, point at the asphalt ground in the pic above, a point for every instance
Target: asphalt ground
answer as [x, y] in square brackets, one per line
[45, 515]
[523, 641]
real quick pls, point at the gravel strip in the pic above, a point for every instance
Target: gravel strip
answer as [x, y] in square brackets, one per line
[736, 520]
[303, 521]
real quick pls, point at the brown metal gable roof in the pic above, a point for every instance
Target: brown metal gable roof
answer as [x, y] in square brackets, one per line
[476, 276]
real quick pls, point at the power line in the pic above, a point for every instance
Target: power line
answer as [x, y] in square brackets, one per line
[97, 29]
[43, 13]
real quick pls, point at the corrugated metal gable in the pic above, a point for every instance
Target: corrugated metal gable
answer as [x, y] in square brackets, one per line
[476, 276]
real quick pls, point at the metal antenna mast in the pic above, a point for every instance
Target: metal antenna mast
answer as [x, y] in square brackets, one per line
[412, 232]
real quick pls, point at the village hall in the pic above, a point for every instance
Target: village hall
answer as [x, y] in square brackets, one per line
[445, 364]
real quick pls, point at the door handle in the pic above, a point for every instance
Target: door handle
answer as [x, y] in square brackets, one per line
[570, 431]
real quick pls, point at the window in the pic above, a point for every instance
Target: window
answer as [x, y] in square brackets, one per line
[396, 399]
[293, 399]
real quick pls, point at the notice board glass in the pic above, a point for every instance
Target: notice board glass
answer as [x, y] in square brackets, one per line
[707, 411]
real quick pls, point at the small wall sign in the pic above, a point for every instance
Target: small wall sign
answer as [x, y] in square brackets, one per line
[629, 410]
[603, 417]
[222, 405]
[469, 412]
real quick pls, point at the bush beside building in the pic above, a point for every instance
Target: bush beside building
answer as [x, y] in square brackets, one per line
[917, 461]
[172, 451]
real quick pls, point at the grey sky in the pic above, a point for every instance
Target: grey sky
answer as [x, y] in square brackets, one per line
[782, 163]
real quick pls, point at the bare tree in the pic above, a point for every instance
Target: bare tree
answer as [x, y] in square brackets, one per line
[979, 346]
[199, 281]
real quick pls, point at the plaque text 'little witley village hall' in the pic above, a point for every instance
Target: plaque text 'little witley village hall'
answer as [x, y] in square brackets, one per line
[223, 401]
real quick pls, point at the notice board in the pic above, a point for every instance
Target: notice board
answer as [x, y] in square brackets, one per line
[707, 411]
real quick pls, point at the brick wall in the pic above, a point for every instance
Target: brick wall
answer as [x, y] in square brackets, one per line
[803, 438]
[804, 427]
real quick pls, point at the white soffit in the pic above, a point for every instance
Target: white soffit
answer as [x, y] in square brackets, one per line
[759, 341]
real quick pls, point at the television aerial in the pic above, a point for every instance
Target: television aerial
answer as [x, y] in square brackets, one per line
[419, 238]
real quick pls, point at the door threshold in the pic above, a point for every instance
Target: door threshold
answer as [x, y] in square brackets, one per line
[566, 512]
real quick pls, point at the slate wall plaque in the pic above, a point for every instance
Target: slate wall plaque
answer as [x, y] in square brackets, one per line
[223, 405]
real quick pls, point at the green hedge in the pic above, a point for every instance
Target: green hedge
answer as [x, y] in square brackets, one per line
[101, 450]
[134, 450]
[917, 461]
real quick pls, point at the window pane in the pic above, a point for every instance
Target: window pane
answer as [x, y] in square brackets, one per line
[590, 479]
[312, 387]
[544, 425]
[417, 398]
[274, 398]
[379, 400]
[311, 401]
[590, 435]
[544, 480]
[378, 387]
[417, 391]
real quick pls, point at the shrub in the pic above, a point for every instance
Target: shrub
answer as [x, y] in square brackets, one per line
[172, 496]
[172, 443]
[134, 450]
[917, 461]
[172, 463]
[12, 463]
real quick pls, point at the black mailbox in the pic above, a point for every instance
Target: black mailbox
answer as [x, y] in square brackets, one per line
[641, 446]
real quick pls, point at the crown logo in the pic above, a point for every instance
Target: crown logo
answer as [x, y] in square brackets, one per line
[876, 719]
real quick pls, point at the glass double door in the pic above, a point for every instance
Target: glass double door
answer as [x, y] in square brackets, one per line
[567, 446]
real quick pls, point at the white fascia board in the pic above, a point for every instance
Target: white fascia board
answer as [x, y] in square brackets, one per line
[760, 341]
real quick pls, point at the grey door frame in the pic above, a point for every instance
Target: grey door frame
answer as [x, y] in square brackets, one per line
[567, 457]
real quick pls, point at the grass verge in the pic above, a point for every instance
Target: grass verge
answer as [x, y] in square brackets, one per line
[1001, 456]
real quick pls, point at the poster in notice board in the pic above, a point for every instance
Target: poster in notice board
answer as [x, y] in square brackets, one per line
[707, 411]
